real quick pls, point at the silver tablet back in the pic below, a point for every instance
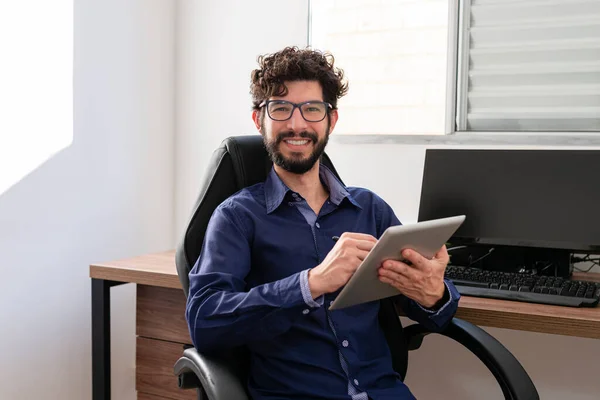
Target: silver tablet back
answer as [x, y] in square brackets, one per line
[425, 237]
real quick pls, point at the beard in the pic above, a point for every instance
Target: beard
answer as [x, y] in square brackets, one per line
[296, 163]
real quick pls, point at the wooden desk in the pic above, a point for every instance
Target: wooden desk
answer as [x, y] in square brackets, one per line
[162, 330]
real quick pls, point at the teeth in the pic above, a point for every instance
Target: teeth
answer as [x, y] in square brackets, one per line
[297, 142]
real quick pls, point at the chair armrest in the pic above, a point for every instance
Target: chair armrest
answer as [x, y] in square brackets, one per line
[215, 379]
[508, 371]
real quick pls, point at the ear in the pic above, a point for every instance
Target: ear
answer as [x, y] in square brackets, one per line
[333, 117]
[256, 119]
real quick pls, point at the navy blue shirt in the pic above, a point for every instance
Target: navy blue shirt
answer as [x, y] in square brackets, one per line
[249, 287]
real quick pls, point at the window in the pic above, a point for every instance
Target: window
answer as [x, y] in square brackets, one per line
[394, 54]
[36, 84]
[529, 65]
[451, 66]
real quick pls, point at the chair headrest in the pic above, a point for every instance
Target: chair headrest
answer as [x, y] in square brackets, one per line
[239, 162]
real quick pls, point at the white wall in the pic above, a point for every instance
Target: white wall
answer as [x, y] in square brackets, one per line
[218, 43]
[109, 195]
[217, 46]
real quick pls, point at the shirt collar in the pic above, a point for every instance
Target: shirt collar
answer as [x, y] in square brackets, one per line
[276, 190]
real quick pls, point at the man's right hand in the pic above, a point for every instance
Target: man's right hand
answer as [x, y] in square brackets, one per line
[341, 262]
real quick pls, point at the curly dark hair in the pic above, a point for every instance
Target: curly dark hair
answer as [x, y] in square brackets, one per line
[294, 64]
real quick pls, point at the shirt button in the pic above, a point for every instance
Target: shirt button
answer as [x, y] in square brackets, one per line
[356, 382]
[305, 311]
[345, 343]
[317, 225]
[290, 204]
[330, 303]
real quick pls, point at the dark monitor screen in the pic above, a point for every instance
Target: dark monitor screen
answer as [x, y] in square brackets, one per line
[532, 198]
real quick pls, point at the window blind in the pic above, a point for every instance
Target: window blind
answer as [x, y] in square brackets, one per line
[529, 65]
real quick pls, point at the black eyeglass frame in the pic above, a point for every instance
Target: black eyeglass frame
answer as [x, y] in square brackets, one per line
[265, 104]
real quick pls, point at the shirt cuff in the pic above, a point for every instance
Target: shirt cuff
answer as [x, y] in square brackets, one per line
[306, 295]
[436, 312]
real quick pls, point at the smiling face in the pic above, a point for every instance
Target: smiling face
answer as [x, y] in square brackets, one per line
[296, 144]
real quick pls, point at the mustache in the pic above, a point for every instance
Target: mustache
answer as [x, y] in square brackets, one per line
[304, 134]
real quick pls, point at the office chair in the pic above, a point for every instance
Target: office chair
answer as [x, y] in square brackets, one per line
[242, 161]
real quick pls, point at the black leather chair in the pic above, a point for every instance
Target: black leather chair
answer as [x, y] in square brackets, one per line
[242, 161]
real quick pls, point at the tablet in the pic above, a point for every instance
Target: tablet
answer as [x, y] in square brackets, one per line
[425, 237]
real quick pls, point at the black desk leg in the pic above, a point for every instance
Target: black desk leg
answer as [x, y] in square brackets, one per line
[101, 338]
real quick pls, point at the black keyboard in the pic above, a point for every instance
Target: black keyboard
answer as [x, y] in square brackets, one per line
[524, 287]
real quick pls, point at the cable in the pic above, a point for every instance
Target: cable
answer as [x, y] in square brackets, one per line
[587, 258]
[480, 258]
[575, 260]
[548, 266]
[456, 247]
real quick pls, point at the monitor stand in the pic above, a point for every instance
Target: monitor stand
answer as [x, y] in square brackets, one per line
[539, 261]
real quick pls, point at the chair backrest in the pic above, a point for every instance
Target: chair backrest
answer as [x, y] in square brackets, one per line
[242, 161]
[239, 162]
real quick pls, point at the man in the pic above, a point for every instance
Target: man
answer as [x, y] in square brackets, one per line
[270, 266]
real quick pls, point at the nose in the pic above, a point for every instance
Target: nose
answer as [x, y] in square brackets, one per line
[296, 122]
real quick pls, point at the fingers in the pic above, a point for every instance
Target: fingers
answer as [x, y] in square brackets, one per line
[421, 262]
[364, 245]
[358, 240]
[396, 270]
[399, 281]
[362, 254]
[362, 248]
[389, 274]
[358, 236]
[442, 254]
[389, 281]
[415, 258]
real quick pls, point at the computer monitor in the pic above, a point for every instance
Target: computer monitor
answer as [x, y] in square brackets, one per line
[525, 198]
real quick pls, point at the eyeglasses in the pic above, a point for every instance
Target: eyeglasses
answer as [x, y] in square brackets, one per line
[282, 110]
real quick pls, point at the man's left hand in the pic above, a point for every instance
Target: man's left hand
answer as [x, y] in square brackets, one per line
[423, 281]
